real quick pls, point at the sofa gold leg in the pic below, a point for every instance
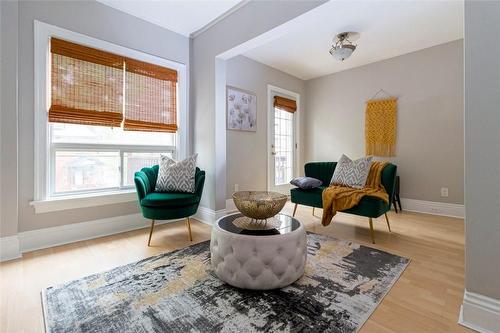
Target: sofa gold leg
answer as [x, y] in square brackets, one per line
[372, 233]
[189, 229]
[387, 220]
[294, 210]
[151, 232]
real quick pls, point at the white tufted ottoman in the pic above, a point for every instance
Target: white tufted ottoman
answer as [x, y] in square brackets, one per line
[258, 259]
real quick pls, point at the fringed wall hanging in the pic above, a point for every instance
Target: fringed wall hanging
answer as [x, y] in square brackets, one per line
[381, 126]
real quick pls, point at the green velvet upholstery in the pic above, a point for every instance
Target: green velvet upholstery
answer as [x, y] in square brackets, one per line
[166, 205]
[368, 206]
[310, 197]
[169, 200]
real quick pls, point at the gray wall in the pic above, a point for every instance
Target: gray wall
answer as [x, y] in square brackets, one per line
[8, 118]
[246, 152]
[1, 150]
[248, 22]
[482, 148]
[429, 85]
[93, 19]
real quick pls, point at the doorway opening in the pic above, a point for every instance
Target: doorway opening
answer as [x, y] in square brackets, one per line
[282, 140]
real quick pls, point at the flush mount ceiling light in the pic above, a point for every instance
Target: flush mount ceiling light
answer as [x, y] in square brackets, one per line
[343, 47]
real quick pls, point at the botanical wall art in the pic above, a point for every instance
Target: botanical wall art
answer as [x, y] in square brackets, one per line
[241, 110]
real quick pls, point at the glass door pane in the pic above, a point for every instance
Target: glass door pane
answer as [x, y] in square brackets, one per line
[283, 147]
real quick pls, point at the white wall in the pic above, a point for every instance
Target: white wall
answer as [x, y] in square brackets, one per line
[87, 17]
[250, 21]
[429, 85]
[246, 152]
[8, 118]
[1, 123]
[102, 22]
[482, 149]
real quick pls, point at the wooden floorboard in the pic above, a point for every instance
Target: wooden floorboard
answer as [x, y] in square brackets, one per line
[426, 298]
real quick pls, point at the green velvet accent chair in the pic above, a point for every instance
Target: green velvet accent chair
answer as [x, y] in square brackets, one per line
[166, 205]
[370, 207]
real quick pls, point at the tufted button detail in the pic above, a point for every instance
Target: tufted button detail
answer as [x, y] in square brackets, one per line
[258, 262]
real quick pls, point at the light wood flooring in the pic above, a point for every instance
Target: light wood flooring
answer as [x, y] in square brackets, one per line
[426, 298]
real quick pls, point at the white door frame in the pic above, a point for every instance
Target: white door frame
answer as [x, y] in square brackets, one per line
[271, 92]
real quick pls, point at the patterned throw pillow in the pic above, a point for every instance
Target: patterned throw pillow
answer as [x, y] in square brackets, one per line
[176, 176]
[351, 173]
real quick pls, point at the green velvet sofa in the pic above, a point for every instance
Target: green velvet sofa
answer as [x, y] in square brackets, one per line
[370, 207]
[166, 205]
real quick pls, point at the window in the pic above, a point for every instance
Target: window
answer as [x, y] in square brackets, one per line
[86, 158]
[106, 114]
[103, 113]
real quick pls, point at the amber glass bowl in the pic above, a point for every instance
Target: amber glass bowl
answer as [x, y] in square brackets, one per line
[259, 205]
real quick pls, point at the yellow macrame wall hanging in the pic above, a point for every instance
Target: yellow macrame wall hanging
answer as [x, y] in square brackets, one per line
[380, 127]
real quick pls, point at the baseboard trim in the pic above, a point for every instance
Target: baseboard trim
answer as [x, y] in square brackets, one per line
[49, 237]
[12, 247]
[230, 206]
[209, 216]
[434, 208]
[480, 313]
[9, 248]
[410, 205]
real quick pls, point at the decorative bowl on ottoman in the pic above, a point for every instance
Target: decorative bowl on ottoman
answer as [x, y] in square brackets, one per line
[259, 205]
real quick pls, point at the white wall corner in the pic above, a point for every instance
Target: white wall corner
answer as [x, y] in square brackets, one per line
[230, 206]
[432, 207]
[480, 313]
[209, 216]
[9, 248]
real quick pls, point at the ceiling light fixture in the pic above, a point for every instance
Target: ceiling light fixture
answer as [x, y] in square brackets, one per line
[343, 46]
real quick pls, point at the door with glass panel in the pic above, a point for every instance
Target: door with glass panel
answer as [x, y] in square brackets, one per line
[283, 143]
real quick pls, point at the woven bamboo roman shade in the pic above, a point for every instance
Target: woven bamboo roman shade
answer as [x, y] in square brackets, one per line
[94, 87]
[87, 85]
[150, 97]
[285, 104]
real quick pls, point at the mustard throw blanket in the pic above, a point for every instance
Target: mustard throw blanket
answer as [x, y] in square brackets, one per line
[380, 127]
[338, 198]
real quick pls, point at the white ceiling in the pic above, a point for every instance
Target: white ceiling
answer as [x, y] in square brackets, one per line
[388, 29]
[182, 16]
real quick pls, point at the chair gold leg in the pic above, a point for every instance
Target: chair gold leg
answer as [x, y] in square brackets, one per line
[189, 228]
[313, 211]
[295, 209]
[387, 220]
[151, 232]
[372, 234]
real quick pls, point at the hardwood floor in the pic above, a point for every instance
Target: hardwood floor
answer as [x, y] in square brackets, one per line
[426, 298]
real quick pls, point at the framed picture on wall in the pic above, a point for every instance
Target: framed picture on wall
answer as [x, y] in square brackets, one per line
[241, 109]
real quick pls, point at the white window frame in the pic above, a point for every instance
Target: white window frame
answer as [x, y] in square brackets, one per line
[44, 200]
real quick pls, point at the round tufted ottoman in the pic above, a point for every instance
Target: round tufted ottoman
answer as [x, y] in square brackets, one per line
[258, 259]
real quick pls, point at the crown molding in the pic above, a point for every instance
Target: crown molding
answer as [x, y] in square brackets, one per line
[219, 18]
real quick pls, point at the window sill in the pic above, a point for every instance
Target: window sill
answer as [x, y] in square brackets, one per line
[83, 201]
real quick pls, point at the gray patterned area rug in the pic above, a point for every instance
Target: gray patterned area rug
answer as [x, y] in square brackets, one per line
[176, 292]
